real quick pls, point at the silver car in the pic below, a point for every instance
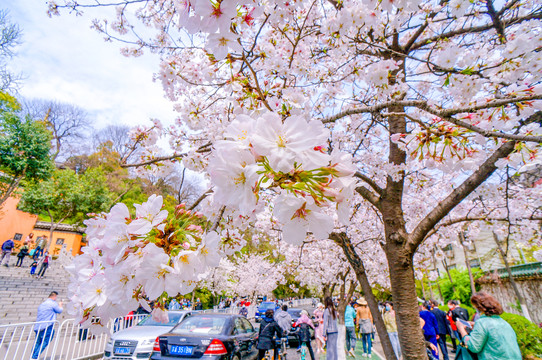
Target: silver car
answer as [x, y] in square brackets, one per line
[137, 341]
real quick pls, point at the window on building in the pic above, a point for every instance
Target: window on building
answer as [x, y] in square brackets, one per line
[448, 248]
[59, 241]
[475, 263]
[18, 236]
[451, 267]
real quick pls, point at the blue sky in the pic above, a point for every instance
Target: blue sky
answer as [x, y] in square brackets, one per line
[62, 58]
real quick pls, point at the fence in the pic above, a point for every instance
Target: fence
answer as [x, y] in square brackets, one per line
[66, 340]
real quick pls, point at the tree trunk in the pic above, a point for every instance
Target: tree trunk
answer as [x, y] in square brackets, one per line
[436, 269]
[467, 262]
[357, 264]
[423, 289]
[448, 273]
[405, 302]
[521, 300]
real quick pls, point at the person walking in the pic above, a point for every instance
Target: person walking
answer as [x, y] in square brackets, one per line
[23, 251]
[44, 265]
[319, 332]
[430, 327]
[331, 331]
[491, 337]
[391, 328]
[457, 312]
[47, 312]
[365, 325]
[268, 330]
[443, 328]
[350, 324]
[304, 324]
[7, 248]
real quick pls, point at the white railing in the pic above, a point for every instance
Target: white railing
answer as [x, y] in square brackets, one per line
[68, 341]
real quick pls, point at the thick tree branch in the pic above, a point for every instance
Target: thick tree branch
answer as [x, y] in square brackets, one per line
[446, 114]
[369, 196]
[370, 181]
[473, 30]
[456, 196]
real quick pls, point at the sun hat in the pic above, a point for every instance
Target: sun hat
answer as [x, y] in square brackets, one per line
[320, 305]
[362, 301]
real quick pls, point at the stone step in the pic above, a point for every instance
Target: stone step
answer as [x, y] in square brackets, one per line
[21, 293]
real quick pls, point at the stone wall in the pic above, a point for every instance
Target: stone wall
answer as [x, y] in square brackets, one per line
[531, 289]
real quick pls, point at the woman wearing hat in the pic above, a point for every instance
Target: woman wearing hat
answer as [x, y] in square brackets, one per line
[365, 324]
[319, 332]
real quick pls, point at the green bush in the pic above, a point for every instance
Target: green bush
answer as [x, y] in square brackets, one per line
[461, 290]
[529, 335]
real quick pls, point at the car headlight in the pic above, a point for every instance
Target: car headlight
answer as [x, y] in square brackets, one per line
[147, 342]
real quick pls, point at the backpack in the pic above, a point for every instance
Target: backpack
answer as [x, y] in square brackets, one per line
[8, 245]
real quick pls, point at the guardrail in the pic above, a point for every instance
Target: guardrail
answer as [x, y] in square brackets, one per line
[66, 340]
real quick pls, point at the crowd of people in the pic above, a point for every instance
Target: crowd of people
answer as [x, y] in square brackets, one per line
[39, 256]
[484, 335]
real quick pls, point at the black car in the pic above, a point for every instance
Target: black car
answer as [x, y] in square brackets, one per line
[208, 337]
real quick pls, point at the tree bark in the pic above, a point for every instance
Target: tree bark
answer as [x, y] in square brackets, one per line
[521, 300]
[357, 264]
[405, 302]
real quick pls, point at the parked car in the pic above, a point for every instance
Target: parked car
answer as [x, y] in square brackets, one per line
[262, 308]
[208, 336]
[137, 341]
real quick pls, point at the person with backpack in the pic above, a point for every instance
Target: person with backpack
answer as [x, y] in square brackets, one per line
[304, 324]
[269, 330]
[7, 248]
[23, 251]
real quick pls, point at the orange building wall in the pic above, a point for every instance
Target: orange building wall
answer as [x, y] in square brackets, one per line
[71, 240]
[14, 221]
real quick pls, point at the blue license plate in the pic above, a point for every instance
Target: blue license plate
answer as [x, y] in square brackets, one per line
[122, 350]
[181, 350]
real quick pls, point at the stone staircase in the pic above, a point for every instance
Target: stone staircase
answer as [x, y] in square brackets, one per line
[21, 293]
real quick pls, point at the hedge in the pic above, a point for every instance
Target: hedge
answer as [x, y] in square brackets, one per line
[529, 335]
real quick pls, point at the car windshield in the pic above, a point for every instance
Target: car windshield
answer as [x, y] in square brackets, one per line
[208, 325]
[295, 313]
[267, 305]
[173, 320]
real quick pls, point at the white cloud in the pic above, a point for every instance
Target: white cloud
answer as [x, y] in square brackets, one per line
[61, 58]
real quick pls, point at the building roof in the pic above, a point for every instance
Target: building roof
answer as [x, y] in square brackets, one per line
[522, 271]
[61, 227]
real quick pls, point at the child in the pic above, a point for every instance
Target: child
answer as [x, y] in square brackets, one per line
[33, 267]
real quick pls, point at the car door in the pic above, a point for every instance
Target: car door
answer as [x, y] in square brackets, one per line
[240, 337]
[252, 338]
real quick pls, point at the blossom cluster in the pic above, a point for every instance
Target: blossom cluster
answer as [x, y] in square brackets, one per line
[132, 261]
[290, 158]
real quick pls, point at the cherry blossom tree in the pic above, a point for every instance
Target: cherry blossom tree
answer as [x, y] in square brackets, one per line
[313, 110]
